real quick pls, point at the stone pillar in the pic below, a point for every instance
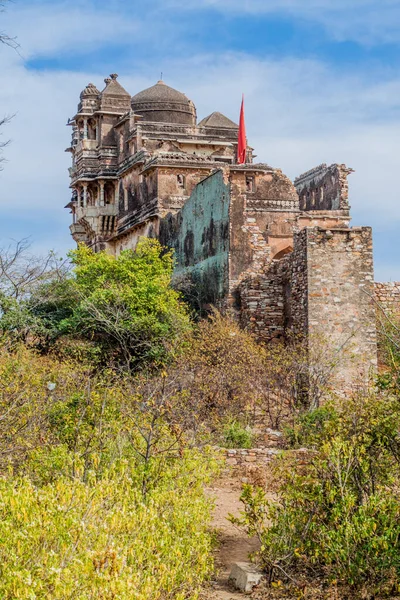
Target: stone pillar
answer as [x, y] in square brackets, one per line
[85, 128]
[139, 141]
[101, 193]
[116, 189]
[85, 194]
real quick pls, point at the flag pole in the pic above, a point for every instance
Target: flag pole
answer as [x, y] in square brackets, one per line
[242, 140]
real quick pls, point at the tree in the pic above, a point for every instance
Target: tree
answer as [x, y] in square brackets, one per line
[3, 144]
[126, 303]
[21, 272]
[28, 285]
[123, 305]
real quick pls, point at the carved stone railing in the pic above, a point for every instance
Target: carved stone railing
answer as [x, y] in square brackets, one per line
[271, 204]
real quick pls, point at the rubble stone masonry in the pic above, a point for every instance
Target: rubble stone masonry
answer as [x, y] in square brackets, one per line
[387, 296]
[340, 298]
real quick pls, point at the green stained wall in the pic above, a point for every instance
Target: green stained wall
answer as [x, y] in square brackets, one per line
[199, 234]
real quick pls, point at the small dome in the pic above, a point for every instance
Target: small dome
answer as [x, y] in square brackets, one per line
[161, 103]
[90, 90]
[218, 121]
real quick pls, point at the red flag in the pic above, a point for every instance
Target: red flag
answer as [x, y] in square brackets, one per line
[242, 142]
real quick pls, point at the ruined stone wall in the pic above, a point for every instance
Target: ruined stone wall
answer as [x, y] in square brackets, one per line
[175, 185]
[262, 309]
[296, 287]
[264, 208]
[322, 294]
[324, 188]
[274, 301]
[339, 297]
[199, 234]
[387, 296]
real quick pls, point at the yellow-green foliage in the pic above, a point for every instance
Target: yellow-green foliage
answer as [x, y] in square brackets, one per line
[84, 513]
[71, 539]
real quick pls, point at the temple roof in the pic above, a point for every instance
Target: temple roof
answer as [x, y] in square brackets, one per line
[113, 87]
[217, 120]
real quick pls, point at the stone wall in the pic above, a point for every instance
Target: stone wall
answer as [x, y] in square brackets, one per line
[323, 293]
[387, 296]
[246, 460]
[263, 304]
[296, 285]
[254, 456]
[274, 301]
[340, 300]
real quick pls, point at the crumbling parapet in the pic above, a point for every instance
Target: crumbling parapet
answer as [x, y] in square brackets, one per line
[324, 188]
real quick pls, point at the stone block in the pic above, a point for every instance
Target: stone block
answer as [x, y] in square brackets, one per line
[245, 576]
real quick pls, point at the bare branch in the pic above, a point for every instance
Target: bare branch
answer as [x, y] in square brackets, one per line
[4, 121]
[4, 38]
[21, 272]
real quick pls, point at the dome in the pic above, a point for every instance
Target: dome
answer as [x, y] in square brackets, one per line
[90, 90]
[161, 103]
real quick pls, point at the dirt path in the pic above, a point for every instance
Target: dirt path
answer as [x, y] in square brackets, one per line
[234, 545]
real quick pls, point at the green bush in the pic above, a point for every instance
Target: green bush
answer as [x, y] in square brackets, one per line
[309, 426]
[237, 436]
[338, 515]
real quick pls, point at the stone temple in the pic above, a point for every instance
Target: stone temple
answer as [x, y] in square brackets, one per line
[278, 254]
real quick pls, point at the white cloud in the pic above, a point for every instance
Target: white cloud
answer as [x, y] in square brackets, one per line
[47, 28]
[365, 21]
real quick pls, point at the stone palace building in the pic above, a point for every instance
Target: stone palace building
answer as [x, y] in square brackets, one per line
[281, 255]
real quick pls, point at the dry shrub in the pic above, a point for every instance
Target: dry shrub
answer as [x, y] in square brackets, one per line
[225, 373]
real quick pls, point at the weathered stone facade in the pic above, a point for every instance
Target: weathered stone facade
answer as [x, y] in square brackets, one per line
[281, 256]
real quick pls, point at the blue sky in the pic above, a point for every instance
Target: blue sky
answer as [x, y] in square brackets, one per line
[321, 81]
